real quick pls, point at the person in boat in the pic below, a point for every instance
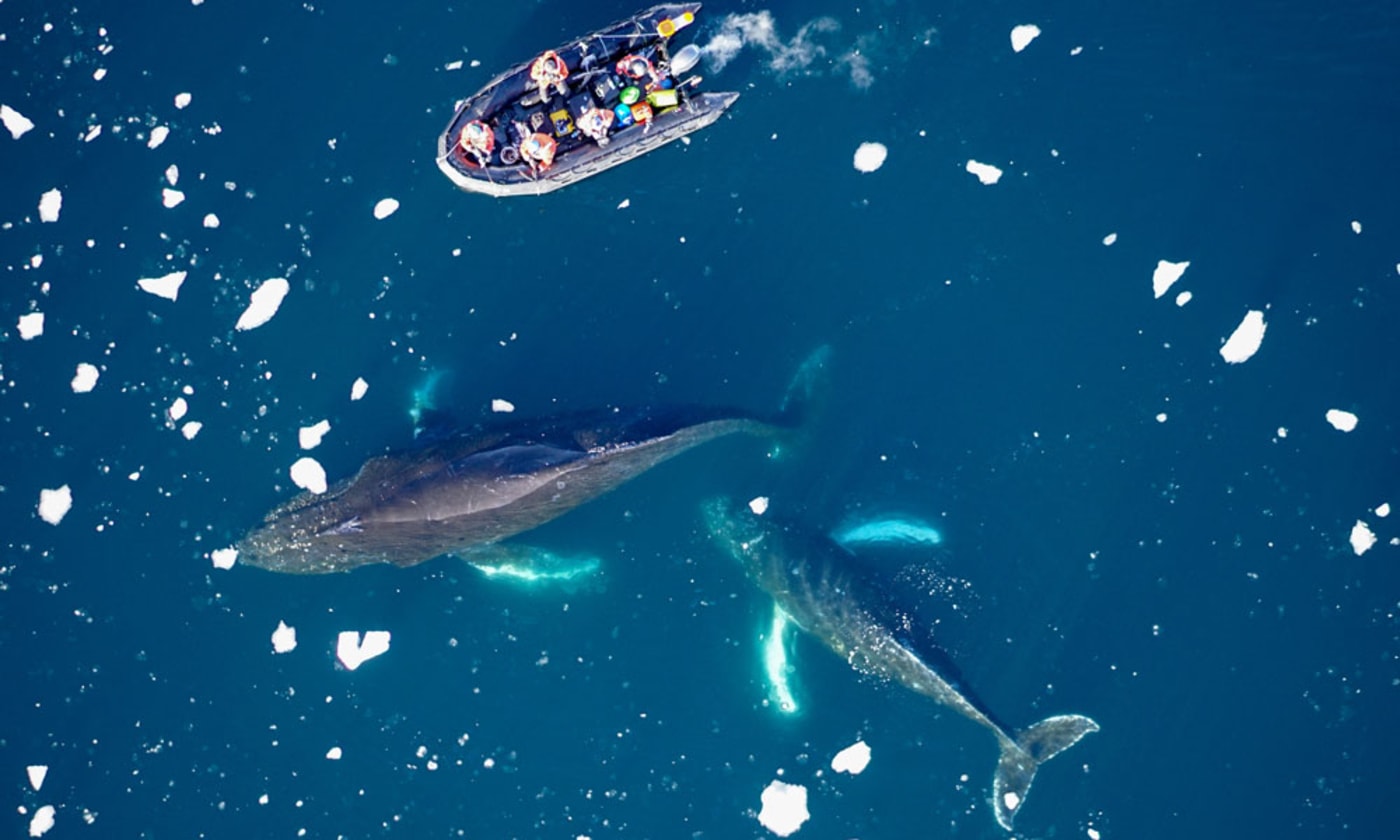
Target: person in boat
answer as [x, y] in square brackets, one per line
[549, 70]
[594, 123]
[478, 141]
[537, 150]
[638, 67]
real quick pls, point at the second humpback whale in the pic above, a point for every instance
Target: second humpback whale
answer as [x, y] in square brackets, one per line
[818, 586]
[465, 492]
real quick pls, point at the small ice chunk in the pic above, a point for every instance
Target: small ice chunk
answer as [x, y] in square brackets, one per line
[178, 409]
[1161, 417]
[263, 304]
[784, 808]
[1011, 799]
[358, 389]
[308, 474]
[1093, 833]
[17, 123]
[171, 198]
[1355, 226]
[42, 821]
[352, 651]
[167, 287]
[1110, 239]
[49, 205]
[224, 558]
[1245, 340]
[501, 406]
[852, 759]
[310, 436]
[453, 65]
[37, 773]
[211, 221]
[1166, 274]
[158, 135]
[284, 638]
[334, 753]
[870, 156]
[99, 74]
[55, 504]
[385, 208]
[1021, 36]
[759, 505]
[172, 174]
[31, 325]
[1361, 538]
[624, 204]
[85, 379]
[182, 100]
[985, 172]
[1183, 298]
[190, 429]
[1343, 421]
[1383, 510]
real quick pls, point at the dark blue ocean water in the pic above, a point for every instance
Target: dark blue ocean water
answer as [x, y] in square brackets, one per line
[996, 369]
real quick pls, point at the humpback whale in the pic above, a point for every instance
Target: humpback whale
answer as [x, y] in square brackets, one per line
[463, 493]
[818, 586]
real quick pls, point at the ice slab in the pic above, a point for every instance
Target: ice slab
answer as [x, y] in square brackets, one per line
[784, 808]
[55, 504]
[1362, 538]
[353, 651]
[308, 474]
[359, 388]
[263, 304]
[224, 558]
[1166, 274]
[167, 286]
[985, 172]
[17, 124]
[759, 505]
[31, 326]
[1245, 340]
[37, 774]
[284, 638]
[852, 759]
[85, 379]
[501, 406]
[49, 204]
[171, 197]
[182, 100]
[385, 208]
[1021, 36]
[870, 156]
[310, 436]
[158, 135]
[41, 822]
[1342, 421]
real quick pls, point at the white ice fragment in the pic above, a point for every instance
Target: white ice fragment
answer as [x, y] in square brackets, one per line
[1343, 421]
[334, 753]
[358, 389]
[1110, 239]
[190, 429]
[1166, 274]
[172, 174]
[224, 558]
[99, 74]
[310, 436]
[1011, 799]
[49, 205]
[92, 133]
[178, 409]
[37, 773]
[501, 406]
[171, 198]
[85, 379]
[784, 808]
[1161, 417]
[31, 325]
[284, 638]
[1361, 538]
[985, 172]
[263, 304]
[852, 759]
[1282, 431]
[158, 135]
[1093, 833]
[352, 651]
[759, 505]
[1383, 510]
[385, 208]
[624, 204]
[1355, 226]
[182, 100]
[42, 821]
[1183, 298]
[211, 221]
[55, 504]
[1021, 36]
[308, 474]
[17, 123]
[167, 287]
[1245, 340]
[870, 156]
[453, 65]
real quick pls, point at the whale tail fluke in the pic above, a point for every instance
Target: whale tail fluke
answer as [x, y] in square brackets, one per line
[1020, 759]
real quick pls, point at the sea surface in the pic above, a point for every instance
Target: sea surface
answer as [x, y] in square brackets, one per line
[1134, 528]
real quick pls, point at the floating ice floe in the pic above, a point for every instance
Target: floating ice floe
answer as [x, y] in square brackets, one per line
[49, 204]
[178, 409]
[358, 388]
[310, 436]
[1166, 274]
[158, 135]
[1110, 239]
[759, 505]
[334, 753]
[353, 651]
[182, 100]
[31, 326]
[172, 174]
[1183, 298]
[852, 759]
[284, 638]
[308, 474]
[42, 821]
[210, 220]
[1355, 226]
[1245, 340]
[17, 123]
[171, 198]
[224, 558]
[501, 406]
[55, 504]
[1361, 538]
[1021, 36]
[190, 429]
[167, 286]
[624, 204]
[985, 172]
[37, 774]
[385, 208]
[1342, 421]
[263, 304]
[1383, 510]
[85, 379]
[870, 156]
[784, 808]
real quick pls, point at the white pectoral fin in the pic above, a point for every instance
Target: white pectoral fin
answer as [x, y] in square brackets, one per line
[529, 565]
[776, 666]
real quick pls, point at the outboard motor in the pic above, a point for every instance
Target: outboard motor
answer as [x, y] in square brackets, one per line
[685, 58]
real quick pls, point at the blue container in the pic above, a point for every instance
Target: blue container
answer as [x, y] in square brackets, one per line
[624, 116]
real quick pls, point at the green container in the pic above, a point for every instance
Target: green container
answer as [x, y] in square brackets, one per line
[631, 94]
